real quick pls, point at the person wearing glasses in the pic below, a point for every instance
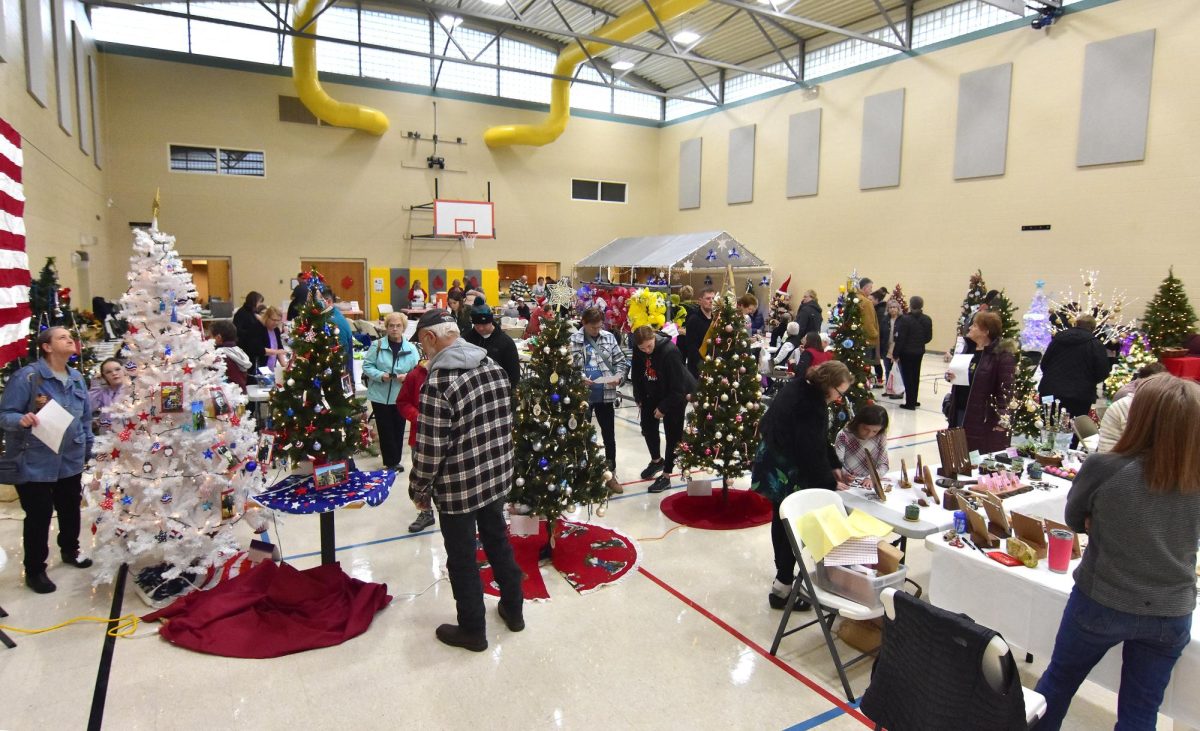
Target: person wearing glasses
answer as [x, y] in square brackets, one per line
[795, 454]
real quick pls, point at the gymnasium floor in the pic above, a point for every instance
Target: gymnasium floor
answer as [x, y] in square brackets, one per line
[682, 643]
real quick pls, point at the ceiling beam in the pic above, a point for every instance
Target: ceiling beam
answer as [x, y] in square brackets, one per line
[766, 12]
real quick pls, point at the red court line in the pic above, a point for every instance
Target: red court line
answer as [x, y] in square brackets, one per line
[918, 434]
[812, 684]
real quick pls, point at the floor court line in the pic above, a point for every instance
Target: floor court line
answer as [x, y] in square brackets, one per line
[819, 719]
[811, 684]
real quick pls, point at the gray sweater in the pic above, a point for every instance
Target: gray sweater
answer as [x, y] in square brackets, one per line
[1141, 554]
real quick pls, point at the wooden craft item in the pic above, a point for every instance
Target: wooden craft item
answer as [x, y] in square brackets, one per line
[928, 480]
[950, 499]
[959, 436]
[905, 483]
[977, 526]
[1031, 531]
[997, 518]
[876, 483]
[1076, 552]
[946, 452]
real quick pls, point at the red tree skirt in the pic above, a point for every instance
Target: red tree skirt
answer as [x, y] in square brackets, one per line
[742, 509]
[589, 556]
[525, 551]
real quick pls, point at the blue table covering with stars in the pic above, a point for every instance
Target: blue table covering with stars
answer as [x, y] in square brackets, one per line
[296, 493]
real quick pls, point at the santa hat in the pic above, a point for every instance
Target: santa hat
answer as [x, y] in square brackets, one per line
[783, 288]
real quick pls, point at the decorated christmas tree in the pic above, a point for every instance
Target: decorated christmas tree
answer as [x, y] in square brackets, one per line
[1036, 333]
[171, 477]
[1010, 324]
[898, 297]
[1135, 353]
[1170, 319]
[850, 347]
[314, 413]
[50, 306]
[721, 427]
[976, 292]
[559, 463]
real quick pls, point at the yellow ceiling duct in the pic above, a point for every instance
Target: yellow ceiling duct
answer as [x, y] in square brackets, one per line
[304, 75]
[634, 22]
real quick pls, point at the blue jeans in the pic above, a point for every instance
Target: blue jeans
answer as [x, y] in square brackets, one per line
[1088, 630]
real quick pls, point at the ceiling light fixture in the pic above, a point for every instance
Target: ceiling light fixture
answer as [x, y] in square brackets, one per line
[622, 65]
[494, 2]
[686, 37]
[451, 21]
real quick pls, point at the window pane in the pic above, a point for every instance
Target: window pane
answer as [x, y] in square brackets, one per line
[338, 58]
[243, 162]
[633, 104]
[395, 31]
[479, 47]
[117, 25]
[588, 96]
[585, 190]
[612, 192]
[193, 159]
[222, 41]
[515, 85]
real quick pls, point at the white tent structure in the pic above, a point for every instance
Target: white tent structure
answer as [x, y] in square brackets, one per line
[705, 251]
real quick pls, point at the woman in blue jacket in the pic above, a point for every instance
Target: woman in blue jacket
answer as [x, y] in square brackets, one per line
[48, 481]
[388, 361]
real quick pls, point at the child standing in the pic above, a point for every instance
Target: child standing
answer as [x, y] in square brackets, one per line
[865, 434]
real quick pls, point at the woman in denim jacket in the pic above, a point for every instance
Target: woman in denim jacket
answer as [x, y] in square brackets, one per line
[47, 481]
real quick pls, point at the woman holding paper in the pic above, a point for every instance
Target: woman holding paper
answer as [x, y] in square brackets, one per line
[989, 380]
[1136, 583]
[795, 454]
[48, 477]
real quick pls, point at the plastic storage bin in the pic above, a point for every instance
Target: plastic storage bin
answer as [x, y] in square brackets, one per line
[856, 585]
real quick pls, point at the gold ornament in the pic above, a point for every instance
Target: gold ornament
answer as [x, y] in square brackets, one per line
[554, 377]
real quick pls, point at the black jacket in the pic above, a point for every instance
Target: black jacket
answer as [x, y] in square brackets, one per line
[501, 349]
[244, 320]
[912, 332]
[796, 426]
[697, 326]
[1074, 363]
[666, 383]
[809, 318]
[255, 341]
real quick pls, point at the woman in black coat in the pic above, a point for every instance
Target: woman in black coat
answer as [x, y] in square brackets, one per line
[795, 454]
[247, 314]
[809, 313]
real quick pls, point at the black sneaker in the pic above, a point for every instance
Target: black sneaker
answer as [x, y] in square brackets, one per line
[396, 468]
[662, 483]
[780, 602]
[423, 521]
[652, 469]
[39, 582]
[514, 624]
[76, 561]
[455, 636]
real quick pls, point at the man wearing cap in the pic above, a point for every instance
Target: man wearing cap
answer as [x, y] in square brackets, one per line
[463, 464]
[499, 346]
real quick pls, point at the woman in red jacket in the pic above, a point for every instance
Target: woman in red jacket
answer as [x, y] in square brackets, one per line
[408, 403]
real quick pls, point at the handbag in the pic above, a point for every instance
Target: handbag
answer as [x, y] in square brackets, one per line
[10, 462]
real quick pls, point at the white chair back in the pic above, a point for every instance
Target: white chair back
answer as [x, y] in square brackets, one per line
[384, 310]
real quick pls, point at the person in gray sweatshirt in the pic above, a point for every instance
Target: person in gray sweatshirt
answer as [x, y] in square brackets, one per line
[1140, 506]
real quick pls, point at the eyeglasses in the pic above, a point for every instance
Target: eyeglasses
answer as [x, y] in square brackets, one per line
[842, 391]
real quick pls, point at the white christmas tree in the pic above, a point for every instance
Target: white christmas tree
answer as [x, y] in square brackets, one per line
[171, 477]
[1036, 332]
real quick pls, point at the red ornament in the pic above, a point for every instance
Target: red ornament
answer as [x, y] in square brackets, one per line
[143, 416]
[133, 330]
[235, 420]
[187, 368]
[309, 429]
[124, 436]
[106, 504]
[115, 453]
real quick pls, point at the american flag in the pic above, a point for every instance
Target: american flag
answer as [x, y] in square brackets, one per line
[14, 262]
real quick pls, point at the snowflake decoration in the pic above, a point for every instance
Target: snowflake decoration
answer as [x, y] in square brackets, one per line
[711, 255]
[733, 253]
[560, 296]
[687, 266]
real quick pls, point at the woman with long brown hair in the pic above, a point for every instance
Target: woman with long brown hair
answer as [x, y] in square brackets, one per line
[1140, 506]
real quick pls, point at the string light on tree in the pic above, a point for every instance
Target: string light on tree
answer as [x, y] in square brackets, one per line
[1170, 318]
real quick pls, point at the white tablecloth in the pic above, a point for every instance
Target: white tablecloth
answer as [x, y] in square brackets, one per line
[1026, 606]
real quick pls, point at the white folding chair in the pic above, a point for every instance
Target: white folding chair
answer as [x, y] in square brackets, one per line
[826, 605]
[384, 310]
[1087, 431]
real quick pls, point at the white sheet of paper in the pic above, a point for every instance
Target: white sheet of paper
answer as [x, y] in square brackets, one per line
[607, 379]
[960, 366]
[53, 421]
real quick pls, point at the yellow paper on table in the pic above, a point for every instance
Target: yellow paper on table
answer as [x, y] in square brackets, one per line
[826, 528]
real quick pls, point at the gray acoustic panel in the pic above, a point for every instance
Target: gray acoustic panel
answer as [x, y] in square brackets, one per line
[83, 92]
[97, 133]
[740, 185]
[36, 30]
[981, 142]
[882, 133]
[1115, 109]
[62, 63]
[689, 173]
[3, 35]
[804, 153]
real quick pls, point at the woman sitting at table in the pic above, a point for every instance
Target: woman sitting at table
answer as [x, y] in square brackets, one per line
[1136, 584]
[795, 454]
[865, 434]
[263, 341]
[989, 386]
[814, 354]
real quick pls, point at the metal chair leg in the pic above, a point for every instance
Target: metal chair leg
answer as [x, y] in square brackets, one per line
[4, 638]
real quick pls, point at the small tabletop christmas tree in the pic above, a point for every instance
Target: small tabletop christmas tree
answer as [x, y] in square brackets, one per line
[1169, 318]
[314, 414]
[850, 347]
[1135, 353]
[172, 476]
[559, 463]
[721, 428]
[1036, 333]
[898, 297]
[976, 293]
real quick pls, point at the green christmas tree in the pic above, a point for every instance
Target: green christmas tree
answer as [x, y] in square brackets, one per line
[850, 347]
[50, 306]
[1135, 353]
[559, 463]
[1010, 324]
[313, 411]
[976, 292]
[721, 428]
[1169, 318]
[898, 297]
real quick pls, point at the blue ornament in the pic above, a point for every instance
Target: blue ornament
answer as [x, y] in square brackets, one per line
[327, 330]
[711, 255]
[764, 282]
[290, 412]
[847, 343]
[544, 463]
[841, 416]
[206, 505]
[554, 398]
[166, 498]
[43, 327]
[349, 419]
[127, 500]
[167, 350]
[316, 383]
[208, 454]
[251, 466]
[733, 253]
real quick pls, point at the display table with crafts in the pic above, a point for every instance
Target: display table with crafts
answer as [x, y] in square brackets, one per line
[1026, 605]
[298, 494]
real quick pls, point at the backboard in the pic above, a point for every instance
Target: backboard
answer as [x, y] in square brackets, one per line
[453, 218]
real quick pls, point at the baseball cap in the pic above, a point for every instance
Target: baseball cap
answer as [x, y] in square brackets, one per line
[436, 316]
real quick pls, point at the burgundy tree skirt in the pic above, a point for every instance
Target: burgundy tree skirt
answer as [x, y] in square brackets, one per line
[736, 509]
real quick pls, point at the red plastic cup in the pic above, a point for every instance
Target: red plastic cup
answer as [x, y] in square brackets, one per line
[1060, 545]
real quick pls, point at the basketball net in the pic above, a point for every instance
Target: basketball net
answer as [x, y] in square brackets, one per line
[468, 239]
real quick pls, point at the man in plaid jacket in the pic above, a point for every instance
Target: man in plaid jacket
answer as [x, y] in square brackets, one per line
[463, 463]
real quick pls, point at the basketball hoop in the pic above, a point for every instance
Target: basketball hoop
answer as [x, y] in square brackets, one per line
[468, 239]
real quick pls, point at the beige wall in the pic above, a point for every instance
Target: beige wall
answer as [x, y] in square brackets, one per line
[63, 188]
[335, 192]
[1130, 221]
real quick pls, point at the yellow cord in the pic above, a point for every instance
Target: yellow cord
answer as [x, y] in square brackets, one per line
[126, 626]
[664, 535]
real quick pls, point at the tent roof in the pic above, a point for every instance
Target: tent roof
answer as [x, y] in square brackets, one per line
[673, 250]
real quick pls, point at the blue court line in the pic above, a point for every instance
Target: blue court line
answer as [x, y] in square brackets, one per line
[820, 718]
